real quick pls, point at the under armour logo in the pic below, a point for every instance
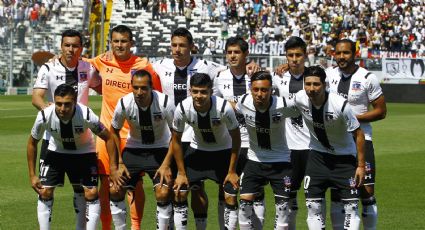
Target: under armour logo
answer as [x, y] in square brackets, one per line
[226, 86]
[282, 82]
[168, 74]
[334, 81]
[59, 77]
[249, 117]
[109, 70]
[132, 118]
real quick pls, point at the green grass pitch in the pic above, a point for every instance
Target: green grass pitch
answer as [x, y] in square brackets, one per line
[400, 154]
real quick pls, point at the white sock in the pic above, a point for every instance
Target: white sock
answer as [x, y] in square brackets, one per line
[119, 214]
[44, 213]
[93, 214]
[80, 210]
[163, 213]
[200, 221]
[337, 215]
[171, 219]
[370, 213]
[180, 215]
[293, 210]
[282, 214]
[231, 217]
[315, 219]
[245, 213]
[221, 213]
[259, 213]
[352, 218]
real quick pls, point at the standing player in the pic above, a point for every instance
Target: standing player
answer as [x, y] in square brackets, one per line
[116, 77]
[332, 161]
[231, 84]
[71, 150]
[268, 154]
[81, 76]
[361, 88]
[150, 115]
[214, 149]
[297, 134]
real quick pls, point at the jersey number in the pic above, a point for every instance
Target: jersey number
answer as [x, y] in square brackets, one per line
[306, 182]
[43, 170]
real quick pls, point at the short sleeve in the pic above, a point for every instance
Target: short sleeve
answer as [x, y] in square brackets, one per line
[94, 123]
[169, 112]
[42, 81]
[39, 126]
[290, 109]
[230, 117]
[374, 89]
[119, 116]
[350, 119]
[179, 119]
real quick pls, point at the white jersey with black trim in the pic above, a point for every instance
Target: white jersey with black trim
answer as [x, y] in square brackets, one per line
[211, 129]
[231, 88]
[53, 74]
[297, 134]
[331, 125]
[360, 89]
[73, 136]
[155, 126]
[266, 129]
[175, 82]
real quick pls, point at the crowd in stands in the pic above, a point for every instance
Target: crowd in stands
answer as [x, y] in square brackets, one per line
[17, 16]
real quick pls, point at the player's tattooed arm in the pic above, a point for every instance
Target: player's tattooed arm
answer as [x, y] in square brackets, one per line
[31, 159]
[232, 176]
[360, 143]
[119, 173]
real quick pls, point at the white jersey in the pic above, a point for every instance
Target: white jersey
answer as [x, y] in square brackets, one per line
[266, 129]
[231, 88]
[211, 129]
[149, 127]
[53, 74]
[297, 134]
[74, 136]
[175, 82]
[360, 89]
[330, 125]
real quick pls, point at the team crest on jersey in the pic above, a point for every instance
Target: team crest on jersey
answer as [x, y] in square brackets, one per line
[356, 86]
[277, 117]
[287, 183]
[93, 170]
[83, 76]
[352, 182]
[368, 168]
[329, 116]
[78, 129]
[157, 116]
[215, 121]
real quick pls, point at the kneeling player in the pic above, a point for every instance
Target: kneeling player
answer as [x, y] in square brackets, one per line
[71, 150]
[150, 115]
[332, 161]
[213, 152]
[268, 154]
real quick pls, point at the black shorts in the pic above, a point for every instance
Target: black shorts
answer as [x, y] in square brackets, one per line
[138, 160]
[43, 152]
[370, 163]
[202, 165]
[81, 169]
[299, 162]
[325, 171]
[257, 174]
[242, 159]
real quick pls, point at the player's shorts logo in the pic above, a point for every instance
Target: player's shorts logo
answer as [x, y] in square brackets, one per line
[83, 76]
[287, 182]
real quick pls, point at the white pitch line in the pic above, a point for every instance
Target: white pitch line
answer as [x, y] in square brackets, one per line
[7, 117]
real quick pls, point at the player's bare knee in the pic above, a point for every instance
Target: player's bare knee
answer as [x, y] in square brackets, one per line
[46, 193]
[367, 191]
[180, 197]
[230, 194]
[247, 197]
[117, 193]
[162, 194]
[90, 193]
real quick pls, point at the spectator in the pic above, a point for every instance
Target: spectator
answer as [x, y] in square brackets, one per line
[181, 7]
[155, 9]
[173, 7]
[188, 16]
[21, 29]
[164, 7]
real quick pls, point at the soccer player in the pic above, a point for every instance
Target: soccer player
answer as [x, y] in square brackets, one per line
[336, 158]
[362, 90]
[231, 84]
[68, 69]
[116, 77]
[71, 150]
[297, 134]
[150, 116]
[214, 149]
[268, 154]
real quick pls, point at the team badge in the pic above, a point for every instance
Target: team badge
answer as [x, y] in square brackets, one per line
[83, 76]
[392, 68]
[93, 170]
[368, 168]
[277, 117]
[356, 85]
[215, 121]
[78, 129]
[157, 116]
[352, 182]
[287, 183]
